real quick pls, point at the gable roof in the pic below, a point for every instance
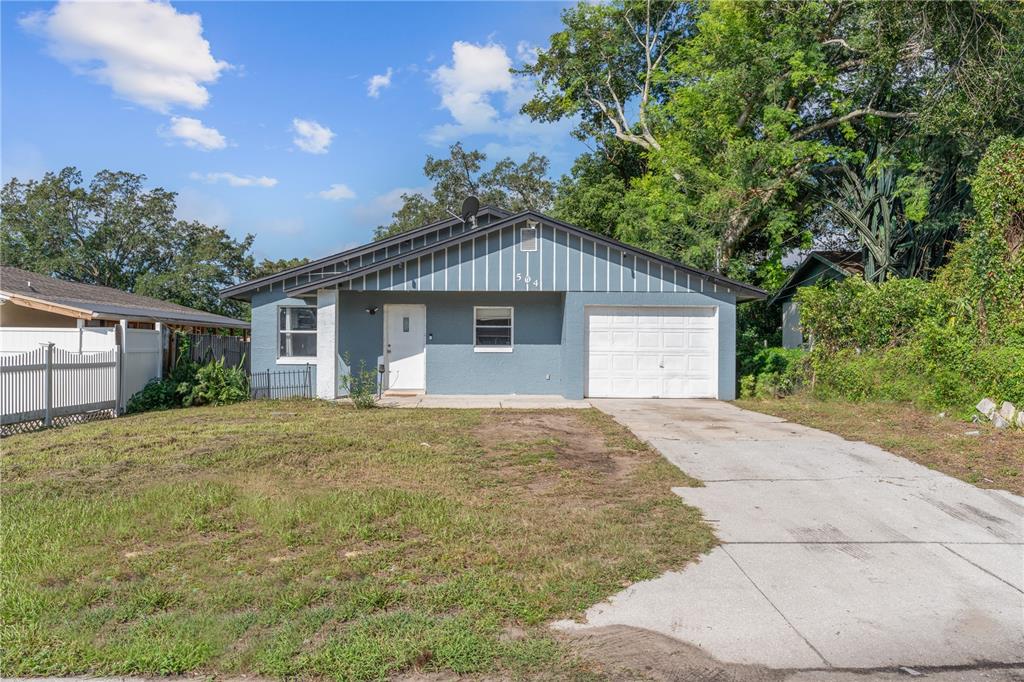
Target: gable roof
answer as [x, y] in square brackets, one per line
[839, 263]
[90, 301]
[289, 273]
[743, 291]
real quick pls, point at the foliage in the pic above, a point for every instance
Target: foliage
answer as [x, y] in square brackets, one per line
[360, 385]
[115, 233]
[268, 267]
[739, 109]
[509, 185]
[775, 372]
[190, 384]
[215, 384]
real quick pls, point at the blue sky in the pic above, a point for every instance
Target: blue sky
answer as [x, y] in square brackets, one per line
[297, 122]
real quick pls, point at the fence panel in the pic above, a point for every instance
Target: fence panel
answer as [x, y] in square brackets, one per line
[53, 386]
[288, 383]
[15, 340]
[234, 350]
[142, 359]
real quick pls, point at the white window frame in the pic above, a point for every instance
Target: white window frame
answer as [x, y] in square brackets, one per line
[536, 237]
[511, 331]
[292, 359]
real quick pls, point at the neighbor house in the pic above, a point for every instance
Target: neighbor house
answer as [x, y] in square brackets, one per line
[502, 303]
[817, 266]
[80, 318]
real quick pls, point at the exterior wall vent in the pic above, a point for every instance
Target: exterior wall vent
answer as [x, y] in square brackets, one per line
[528, 237]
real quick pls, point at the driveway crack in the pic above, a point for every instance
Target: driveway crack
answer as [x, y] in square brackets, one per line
[777, 610]
[983, 569]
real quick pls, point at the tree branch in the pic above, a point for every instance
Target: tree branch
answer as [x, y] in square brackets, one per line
[856, 113]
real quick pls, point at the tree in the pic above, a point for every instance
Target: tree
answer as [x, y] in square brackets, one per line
[739, 107]
[268, 267]
[115, 233]
[509, 185]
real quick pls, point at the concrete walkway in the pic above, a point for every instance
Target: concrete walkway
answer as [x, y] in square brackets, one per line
[835, 554]
[515, 402]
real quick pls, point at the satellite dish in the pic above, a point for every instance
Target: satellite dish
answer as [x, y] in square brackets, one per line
[469, 208]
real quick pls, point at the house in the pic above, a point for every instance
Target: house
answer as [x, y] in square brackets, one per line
[818, 266]
[502, 303]
[80, 318]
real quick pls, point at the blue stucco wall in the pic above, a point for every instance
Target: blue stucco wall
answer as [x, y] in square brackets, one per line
[533, 366]
[574, 363]
[264, 332]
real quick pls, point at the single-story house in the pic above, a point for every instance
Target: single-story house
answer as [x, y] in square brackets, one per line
[503, 303]
[817, 266]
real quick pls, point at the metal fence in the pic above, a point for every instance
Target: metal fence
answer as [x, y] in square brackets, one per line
[51, 386]
[288, 383]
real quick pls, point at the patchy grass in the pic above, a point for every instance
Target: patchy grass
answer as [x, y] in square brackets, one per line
[308, 539]
[990, 459]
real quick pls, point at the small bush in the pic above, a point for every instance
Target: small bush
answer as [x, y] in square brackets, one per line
[215, 384]
[360, 385]
[776, 372]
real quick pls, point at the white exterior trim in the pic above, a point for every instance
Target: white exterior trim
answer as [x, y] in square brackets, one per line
[327, 360]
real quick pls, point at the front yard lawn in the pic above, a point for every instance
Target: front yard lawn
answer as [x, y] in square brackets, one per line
[988, 458]
[302, 538]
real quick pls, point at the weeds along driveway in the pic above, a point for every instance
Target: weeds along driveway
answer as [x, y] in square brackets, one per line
[835, 554]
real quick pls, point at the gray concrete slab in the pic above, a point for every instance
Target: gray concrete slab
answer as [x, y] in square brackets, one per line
[866, 560]
[513, 402]
[712, 605]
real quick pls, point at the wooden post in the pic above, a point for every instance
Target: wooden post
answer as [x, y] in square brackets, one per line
[48, 387]
[160, 365]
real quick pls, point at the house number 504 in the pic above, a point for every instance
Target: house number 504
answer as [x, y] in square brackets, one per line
[520, 277]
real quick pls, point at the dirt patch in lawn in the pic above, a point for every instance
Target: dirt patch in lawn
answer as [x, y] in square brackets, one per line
[622, 654]
[976, 453]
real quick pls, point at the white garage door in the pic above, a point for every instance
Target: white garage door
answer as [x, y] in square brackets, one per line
[652, 352]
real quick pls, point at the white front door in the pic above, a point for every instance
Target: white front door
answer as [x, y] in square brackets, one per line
[405, 347]
[652, 352]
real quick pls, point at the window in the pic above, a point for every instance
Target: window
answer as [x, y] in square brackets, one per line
[528, 238]
[296, 336]
[492, 329]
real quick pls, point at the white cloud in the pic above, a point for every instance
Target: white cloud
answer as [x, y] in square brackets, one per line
[484, 98]
[235, 180]
[526, 52]
[476, 72]
[378, 82]
[337, 192]
[194, 134]
[310, 136]
[379, 209]
[147, 52]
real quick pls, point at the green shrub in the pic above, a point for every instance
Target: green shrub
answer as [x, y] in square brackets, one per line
[157, 394]
[360, 385]
[215, 384]
[775, 372]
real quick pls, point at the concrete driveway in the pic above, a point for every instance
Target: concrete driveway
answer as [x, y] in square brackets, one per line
[834, 555]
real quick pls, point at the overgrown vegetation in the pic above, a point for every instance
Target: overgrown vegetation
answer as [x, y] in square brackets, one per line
[190, 384]
[944, 343]
[305, 539]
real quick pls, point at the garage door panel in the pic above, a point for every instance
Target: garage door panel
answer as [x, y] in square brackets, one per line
[651, 352]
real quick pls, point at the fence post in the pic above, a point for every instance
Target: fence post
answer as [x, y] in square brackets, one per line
[117, 382]
[48, 386]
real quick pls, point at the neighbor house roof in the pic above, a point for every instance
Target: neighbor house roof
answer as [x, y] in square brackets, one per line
[499, 219]
[89, 301]
[837, 264]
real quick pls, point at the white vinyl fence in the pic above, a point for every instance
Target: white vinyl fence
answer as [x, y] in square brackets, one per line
[57, 376]
[53, 386]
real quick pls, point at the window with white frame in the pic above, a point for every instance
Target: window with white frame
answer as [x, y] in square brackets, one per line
[492, 328]
[296, 331]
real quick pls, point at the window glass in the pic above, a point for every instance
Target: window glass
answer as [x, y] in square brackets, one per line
[296, 332]
[493, 326]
